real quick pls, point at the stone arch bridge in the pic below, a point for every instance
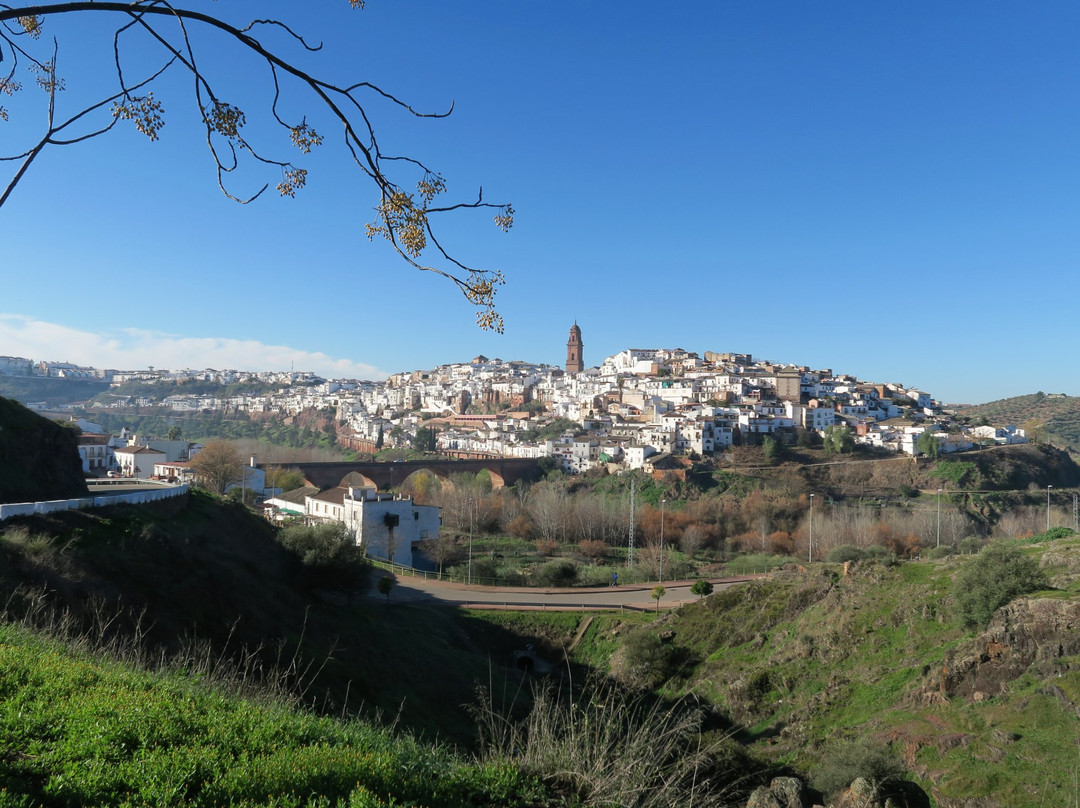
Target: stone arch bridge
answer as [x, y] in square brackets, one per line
[503, 470]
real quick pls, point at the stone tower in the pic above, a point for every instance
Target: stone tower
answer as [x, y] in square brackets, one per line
[575, 363]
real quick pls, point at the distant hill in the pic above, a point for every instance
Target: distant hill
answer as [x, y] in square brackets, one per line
[1056, 415]
[29, 389]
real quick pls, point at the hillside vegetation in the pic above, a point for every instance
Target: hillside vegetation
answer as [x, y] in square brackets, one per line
[53, 391]
[201, 576]
[1054, 417]
[80, 730]
[39, 459]
[813, 664]
[797, 671]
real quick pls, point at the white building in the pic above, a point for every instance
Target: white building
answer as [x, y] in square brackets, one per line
[386, 526]
[137, 461]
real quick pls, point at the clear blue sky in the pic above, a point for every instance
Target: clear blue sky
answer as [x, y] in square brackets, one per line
[889, 190]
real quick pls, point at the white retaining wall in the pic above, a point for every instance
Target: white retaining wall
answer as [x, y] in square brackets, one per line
[130, 498]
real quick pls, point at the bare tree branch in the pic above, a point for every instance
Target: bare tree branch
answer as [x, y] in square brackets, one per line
[402, 217]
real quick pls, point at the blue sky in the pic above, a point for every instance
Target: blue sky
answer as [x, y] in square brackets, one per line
[889, 190]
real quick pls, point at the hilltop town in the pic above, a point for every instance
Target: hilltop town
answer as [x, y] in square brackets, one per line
[632, 411]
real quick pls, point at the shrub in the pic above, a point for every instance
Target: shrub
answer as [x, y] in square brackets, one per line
[547, 547]
[846, 761]
[998, 574]
[1058, 533]
[557, 573]
[593, 550]
[647, 661]
[522, 527]
[701, 588]
[882, 555]
[970, 545]
[484, 568]
[756, 562]
[610, 748]
[845, 552]
[937, 553]
[330, 557]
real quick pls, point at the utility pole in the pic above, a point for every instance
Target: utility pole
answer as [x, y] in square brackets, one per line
[1048, 507]
[630, 545]
[939, 517]
[663, 502]
[811, 557]
[470, 538]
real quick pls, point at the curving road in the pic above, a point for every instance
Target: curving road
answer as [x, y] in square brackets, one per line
[639, 597]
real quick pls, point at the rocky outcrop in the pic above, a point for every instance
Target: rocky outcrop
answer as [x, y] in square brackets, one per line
[789, 792]
[782, 792]
[1061, 566]
[1027, 632]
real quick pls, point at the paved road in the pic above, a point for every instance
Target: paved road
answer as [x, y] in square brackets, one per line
[419, 590]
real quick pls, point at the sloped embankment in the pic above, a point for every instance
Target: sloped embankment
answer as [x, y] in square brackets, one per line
[878, 656]
[39, 459]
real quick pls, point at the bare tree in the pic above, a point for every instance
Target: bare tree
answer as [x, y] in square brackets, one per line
[548, 507]
[693, 538]
[183, 38]
[444, 550]
[1023, 521]
[586, 515]
[218, 466]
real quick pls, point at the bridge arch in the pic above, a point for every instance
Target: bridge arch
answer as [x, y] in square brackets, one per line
[504, 471]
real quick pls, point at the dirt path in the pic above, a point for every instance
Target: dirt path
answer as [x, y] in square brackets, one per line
[676, 593]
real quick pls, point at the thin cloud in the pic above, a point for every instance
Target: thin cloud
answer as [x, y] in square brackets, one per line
[130, 349]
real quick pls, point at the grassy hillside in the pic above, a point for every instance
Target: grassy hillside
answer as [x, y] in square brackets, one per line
[1057, 415]
[806, 670]
[817, 665]
[209, 577]
[77, 730]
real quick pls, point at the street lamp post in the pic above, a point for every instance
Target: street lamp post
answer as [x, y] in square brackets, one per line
[1048, 506]
[811, 557]
[939, 517]
[662, 503]
[470, 539]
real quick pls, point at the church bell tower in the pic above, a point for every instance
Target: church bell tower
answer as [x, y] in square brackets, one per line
[575, 363]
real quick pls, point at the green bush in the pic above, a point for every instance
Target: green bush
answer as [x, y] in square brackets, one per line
[1058, 533]
[558, 573]
[484, 568]
[846, 761]
[647, 660]
[970, 545]
[845, 552]
[756, 562]
[998, 574]
[937, 553]
[701, 588]
[882, 555]
[330, 557]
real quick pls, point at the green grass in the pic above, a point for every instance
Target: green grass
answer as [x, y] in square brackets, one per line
[79, 731]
